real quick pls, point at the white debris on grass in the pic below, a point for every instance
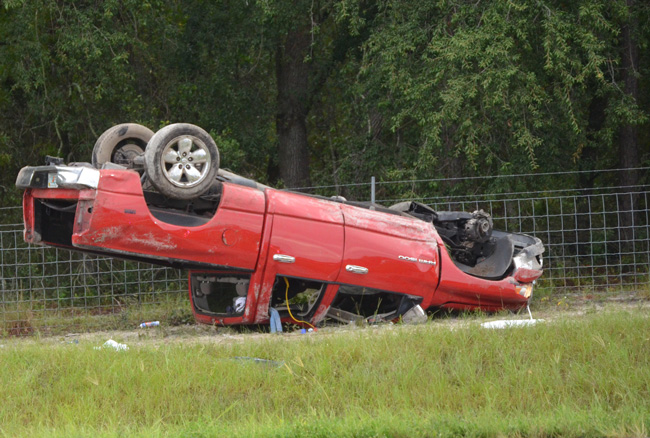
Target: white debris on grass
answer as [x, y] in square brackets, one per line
[415, 315]
[114, 345]
[507, 323]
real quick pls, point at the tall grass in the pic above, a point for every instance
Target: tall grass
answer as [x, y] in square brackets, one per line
[174, 309]
[586, 377]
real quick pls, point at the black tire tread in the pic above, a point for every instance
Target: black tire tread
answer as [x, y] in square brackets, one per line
[152, 158]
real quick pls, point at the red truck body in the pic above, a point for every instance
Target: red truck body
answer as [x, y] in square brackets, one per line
[264, 245]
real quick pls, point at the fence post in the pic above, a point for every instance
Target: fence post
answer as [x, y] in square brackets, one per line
[372, 189]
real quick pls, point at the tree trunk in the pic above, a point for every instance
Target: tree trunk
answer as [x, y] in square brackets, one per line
[628, 141]
[451, 165]
[292, 75]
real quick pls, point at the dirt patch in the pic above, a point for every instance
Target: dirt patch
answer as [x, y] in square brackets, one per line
[581, 304]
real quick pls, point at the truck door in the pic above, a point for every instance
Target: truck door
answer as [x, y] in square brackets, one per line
[306, 236]
[389, 252]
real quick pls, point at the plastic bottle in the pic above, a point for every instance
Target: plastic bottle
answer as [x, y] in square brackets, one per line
[150, 324]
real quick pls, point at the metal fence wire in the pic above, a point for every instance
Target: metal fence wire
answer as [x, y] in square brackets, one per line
[596, 240]
[44, 285]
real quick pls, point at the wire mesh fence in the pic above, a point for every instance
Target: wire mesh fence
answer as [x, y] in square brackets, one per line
[40, 284]
[595, 240]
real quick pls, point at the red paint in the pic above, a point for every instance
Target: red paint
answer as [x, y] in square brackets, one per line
[376, 241]
[461, 291]
[121, 222]
[324, 238]
[308, 229]
[525, 275]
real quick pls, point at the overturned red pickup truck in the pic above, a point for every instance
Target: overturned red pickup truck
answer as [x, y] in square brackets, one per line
[161, 198]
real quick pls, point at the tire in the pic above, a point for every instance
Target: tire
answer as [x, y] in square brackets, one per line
[181, 161]
[121, 144]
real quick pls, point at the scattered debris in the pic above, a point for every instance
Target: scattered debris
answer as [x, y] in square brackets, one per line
[276, 324]
[415, 315]
[240, 303]
[507, 323]
[344, 316]
[114, 345]
[20, 328]
[150, 324]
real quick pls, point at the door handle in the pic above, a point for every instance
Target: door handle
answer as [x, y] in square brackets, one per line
[283, 258]
[356, 269]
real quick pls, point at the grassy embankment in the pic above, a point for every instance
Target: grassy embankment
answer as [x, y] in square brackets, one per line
[584, 377]
[173, 309]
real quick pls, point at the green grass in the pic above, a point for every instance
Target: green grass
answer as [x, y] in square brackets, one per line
[570, 377]
[19, 320]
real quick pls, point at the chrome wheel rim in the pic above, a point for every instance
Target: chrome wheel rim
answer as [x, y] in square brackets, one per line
[185, 161]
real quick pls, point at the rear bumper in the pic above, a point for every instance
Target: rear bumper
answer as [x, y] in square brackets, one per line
[55, 177]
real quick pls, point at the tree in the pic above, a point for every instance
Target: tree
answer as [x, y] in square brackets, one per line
[293, 99]
[334, 91]
[308, 45]
[501, 87]
[67, 70]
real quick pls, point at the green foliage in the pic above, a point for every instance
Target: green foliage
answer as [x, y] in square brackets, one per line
[499, 85]
[397, 89]
[70, 71]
